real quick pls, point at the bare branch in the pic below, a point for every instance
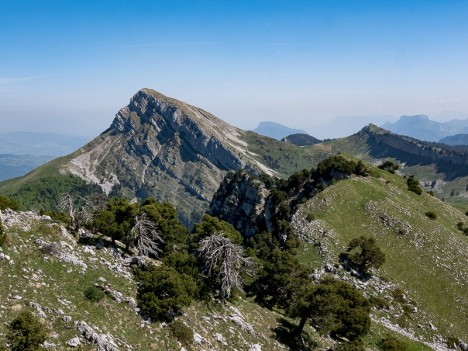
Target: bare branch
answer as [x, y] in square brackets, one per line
[66, 204]
[147, 238]
[224, 260]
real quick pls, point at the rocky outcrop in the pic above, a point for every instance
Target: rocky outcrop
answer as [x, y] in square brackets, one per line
[240, 201]
[105, 342]
[424, 151]
[164, 148]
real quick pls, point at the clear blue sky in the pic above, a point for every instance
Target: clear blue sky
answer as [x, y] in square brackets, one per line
[68, 66]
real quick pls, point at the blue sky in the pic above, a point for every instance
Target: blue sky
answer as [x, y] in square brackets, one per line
[68, 66]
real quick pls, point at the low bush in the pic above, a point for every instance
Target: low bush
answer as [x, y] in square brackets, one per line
[50, 249]
[26, 333]
[389, 166]
[182, 332]
[6, 202]
[413, 185]
[453, 342]
[355, 345]
[94, 294]
[391, 343]
[431, 215]
[379, 303]
[3, 235]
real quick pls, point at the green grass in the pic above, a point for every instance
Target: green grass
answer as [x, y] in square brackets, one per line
[279, 156]
[428, 260]
[44, 279]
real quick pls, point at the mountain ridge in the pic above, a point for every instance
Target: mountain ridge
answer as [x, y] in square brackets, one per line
[423, 128]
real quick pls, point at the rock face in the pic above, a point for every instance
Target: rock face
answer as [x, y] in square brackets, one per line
[240, 200]
[161, 147]
[387, 144]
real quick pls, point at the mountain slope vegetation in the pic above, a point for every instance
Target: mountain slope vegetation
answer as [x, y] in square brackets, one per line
[424, 257]
[441, 168]
[421, 287]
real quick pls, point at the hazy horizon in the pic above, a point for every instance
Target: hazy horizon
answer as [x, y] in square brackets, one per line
[68, 67]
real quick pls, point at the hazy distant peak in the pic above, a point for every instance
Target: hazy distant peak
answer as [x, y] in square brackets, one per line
[276, 130]
[414, 117]
[423, 128]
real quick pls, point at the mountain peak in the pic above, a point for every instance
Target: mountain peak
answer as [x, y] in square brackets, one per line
[165, 148]
[373, 129]
[275, 130]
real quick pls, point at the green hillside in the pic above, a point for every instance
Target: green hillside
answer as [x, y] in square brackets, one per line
[35, 278]
[425, 258]
[46, 271]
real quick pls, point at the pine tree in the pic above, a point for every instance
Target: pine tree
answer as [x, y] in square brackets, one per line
[26, 333]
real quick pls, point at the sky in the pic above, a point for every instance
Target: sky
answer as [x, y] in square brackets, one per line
[69, 66]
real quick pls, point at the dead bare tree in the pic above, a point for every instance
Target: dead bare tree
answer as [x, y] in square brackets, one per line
[66, 205]
[78, 217]
[144, 233]
[224, 261]
[86, 212]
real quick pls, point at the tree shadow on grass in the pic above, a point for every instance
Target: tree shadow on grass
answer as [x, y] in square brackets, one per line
[284, 333]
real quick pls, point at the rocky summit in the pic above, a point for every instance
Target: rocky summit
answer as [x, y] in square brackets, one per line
[161, 147]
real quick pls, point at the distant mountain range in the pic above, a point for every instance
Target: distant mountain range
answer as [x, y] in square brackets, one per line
[276, 131]
[423, 128]
[164, 148]
[457, 139]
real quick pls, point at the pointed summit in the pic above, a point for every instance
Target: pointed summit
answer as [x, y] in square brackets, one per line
[162, 147]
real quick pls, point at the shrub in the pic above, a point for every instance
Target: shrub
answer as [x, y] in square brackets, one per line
[94, 294]
[389, 166]
[379, 303]
[431, 215]
[6, 202]
[413, 185]
[163, 292]
[26, 333]
[56, 216]
[453, 342]
[363, 254]
[399, 295]
[182, 332]
[391, 343]
[3, 235]
[50, 249]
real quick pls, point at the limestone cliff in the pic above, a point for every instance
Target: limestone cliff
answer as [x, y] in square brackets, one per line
[240, 201]
[425, 151]
[161, 147]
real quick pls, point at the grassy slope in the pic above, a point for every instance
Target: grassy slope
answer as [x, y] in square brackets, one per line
[428, 261]
[44, 279]
[55, 284]
[357, 145]
[282, 157]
